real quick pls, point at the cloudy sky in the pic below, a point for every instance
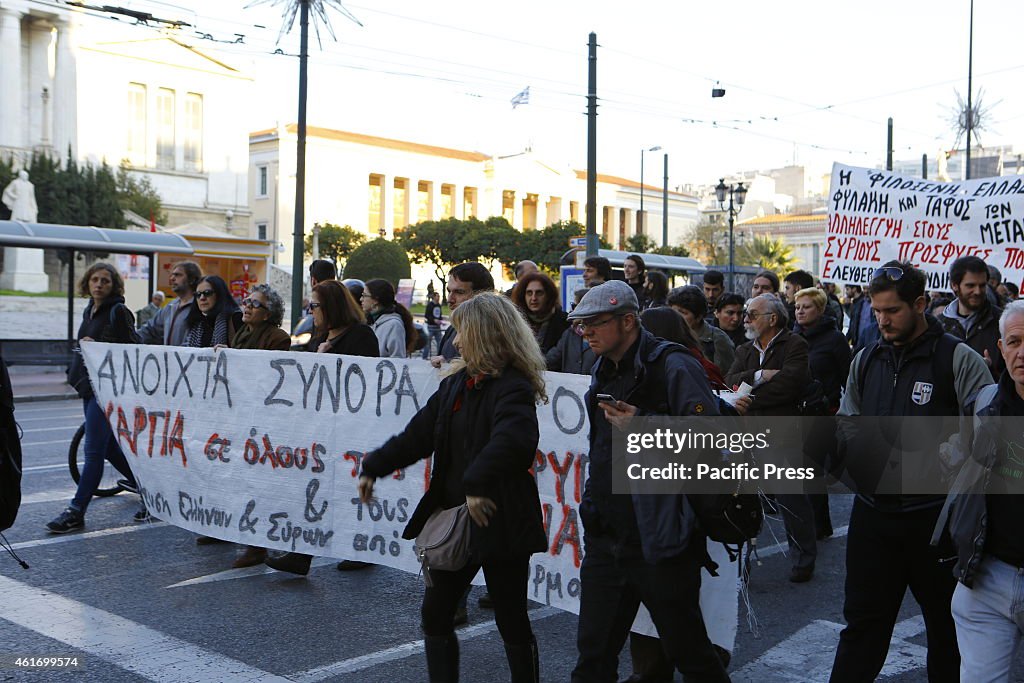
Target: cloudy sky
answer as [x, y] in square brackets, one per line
[806, 81]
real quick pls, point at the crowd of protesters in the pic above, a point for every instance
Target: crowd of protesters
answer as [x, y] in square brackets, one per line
[798, 349]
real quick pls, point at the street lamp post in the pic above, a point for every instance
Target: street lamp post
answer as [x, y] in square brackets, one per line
[643, 152]
[737, 196]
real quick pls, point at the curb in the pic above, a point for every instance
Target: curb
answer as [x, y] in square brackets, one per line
[32, 398]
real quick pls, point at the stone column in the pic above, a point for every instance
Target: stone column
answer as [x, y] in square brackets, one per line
[64, 96]
[458, 201]
[517, 209]
[412, 201]
[12, 128]
[387, 205]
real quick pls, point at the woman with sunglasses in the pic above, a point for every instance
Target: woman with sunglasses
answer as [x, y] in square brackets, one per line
[214, 317]
[481, 428]
[262, 313]
[345, 332]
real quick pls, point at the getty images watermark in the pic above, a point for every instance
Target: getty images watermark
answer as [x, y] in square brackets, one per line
[901, 456]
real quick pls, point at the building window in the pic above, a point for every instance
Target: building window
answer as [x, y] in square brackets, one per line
[574, 211]
[423, 200]
[376, 221]
[136, 124]
[508, 206]
[261, 181]
[468, 202]
[165, 128]
[398, 201]
[261, 231]
[447, 201]
[193, 132]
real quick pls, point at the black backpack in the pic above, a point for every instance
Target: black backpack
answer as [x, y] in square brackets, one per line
[10, 454]
[733, 518]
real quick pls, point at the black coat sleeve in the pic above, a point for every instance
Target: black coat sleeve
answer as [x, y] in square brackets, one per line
[414, 443]
[512, 444]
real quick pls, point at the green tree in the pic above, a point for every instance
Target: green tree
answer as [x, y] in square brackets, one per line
[439, 243]
[706, 245]
[137, 194]
[380, 258]
[640, 244]
[336, 242]
[105, 211]
[678, 250]
[7, 174]
[767, 253]
[43, 172]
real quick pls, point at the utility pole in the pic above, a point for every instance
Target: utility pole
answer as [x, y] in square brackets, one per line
[970, 89]
[592, 147]
[664, 207]
[298, 234]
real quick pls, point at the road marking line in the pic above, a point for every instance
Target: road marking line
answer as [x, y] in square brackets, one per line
[47, 496]
[44, 443]
[122, 642]
[43, 468]
[81, 536]
[50, 429]
[808, 654]
[246, 572]
[404, 650]
[50, 417]
[783, 547]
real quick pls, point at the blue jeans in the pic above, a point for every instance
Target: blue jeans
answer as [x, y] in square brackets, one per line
[433, 332]
[989, 621]
[99, 444]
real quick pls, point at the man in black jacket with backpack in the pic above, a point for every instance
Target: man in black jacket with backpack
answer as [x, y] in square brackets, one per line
[642, 548]
[914, 370]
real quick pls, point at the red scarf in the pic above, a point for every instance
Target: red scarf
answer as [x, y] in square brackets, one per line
[472, 382]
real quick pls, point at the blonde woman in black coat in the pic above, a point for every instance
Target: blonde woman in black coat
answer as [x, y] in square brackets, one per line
[481, 428]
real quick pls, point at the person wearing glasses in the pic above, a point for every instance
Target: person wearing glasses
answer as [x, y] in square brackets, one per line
[213, 319]
[214, 316]
[481, 428]
[775, 363]
[914, 370]
[262, 313]
[343, 331]
[645, 548]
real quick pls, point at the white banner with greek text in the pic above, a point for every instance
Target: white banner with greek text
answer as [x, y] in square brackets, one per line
[263, 448]
[875, 216]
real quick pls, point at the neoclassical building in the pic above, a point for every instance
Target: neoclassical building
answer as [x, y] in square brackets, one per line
[377, 184]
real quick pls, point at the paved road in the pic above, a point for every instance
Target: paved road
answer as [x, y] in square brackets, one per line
[143, 602]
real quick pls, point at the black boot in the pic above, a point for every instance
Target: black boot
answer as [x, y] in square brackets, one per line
[442, 658]
[523, 661]
[296, 563]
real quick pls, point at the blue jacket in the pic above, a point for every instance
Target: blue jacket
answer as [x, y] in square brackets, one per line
[665, 380]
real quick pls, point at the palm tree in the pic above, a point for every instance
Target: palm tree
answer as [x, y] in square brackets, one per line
[768, 253]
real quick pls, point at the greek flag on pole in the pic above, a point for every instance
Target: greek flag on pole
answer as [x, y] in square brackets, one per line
[523, 97]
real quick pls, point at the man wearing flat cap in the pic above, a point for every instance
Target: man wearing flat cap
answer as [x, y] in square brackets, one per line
[643, 548]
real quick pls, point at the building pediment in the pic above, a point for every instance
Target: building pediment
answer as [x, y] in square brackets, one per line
[167, 52]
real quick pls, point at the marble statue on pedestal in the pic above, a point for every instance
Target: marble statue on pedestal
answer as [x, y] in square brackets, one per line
[20, 197]
[23, 268]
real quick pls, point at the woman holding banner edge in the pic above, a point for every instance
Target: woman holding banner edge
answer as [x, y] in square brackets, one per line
[488, 403]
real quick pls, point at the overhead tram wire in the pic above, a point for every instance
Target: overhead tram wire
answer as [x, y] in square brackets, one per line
[474, 81]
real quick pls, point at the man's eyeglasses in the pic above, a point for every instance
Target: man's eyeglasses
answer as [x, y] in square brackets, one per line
[889, 272]
[582, 326]
[754, 315]
[206, 294]
[252, 303]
